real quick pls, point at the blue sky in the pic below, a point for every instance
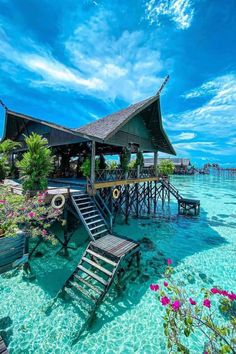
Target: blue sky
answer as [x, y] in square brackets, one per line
[74, 61]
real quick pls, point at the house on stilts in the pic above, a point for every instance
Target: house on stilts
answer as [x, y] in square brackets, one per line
[105, 192]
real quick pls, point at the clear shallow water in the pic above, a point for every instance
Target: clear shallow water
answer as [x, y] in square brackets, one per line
[203, 250]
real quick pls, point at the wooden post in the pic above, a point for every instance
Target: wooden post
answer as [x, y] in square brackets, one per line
[137, 200]
[148, 195]
[155, 162]
[93, 154]
[126, 203]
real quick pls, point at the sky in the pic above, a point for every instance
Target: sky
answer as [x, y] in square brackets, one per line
[72, 62]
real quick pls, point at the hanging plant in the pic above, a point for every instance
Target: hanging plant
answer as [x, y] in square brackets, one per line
[125, 157]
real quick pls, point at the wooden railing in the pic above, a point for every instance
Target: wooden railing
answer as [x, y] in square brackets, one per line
[119, 174]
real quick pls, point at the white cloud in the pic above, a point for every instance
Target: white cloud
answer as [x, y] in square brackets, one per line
[98, 63]
[127, 65]
[184, 136]
[179, 11]
[217, 116]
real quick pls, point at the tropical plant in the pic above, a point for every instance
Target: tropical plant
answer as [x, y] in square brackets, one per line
[209, 313]
[112, 165]
[85, 168]
[6, 147]
[125, 159]
[36, 164]
[166, 168]
[139, 159]
[31, 215]
[102, 162]
[132, 164]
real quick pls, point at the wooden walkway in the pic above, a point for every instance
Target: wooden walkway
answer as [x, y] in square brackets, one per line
[114, 245]
[3, 348]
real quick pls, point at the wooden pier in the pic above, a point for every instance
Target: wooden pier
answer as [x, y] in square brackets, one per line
[3, 348]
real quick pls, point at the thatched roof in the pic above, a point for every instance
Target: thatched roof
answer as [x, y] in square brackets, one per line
[104, 127]
[148, 109]
[108, 129]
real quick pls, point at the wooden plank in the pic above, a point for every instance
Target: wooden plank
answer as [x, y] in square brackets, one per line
[105, 259]
[82, 290]
[96, 265]
[123, 182]
[91, 286]
[91, 274]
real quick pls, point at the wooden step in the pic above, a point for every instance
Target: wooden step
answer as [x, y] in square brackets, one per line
[88, 207]
[98, 227]
[92, 275]
[82, 290]
[89, 285]
[83, 203]
[105, 259]
[95, 221]
[96, 265]
[93, 216]
[100, 232]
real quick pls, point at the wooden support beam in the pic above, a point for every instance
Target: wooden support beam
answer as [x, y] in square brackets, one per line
[155, 161]
[98, 185]
[92, 172]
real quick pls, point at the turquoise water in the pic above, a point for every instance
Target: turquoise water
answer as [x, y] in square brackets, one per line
[129, 321]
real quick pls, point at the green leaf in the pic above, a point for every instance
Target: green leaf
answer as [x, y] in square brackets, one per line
[187, 332]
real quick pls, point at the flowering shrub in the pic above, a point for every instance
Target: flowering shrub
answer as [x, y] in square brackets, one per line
[186, 315]
[29, 215]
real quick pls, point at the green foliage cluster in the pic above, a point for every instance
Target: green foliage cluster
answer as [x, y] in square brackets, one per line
[85, 168]
[125, 157]
[6, 147]
[112, 165]
[166, 168]
[36, 164]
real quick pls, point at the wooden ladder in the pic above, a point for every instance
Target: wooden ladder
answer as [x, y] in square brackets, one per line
[3, 348]
[93, 275]
[90, 215]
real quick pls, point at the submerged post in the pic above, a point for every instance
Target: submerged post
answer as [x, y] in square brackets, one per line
[155, 162]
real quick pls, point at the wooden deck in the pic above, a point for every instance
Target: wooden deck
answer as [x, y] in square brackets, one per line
[3, 348]
[115, 246]
[123, 182]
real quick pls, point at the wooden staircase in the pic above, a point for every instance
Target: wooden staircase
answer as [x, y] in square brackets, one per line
[99, 264]
[185, 206]
[171, 188]
[93, 276]
[3, 348]
[90, 215]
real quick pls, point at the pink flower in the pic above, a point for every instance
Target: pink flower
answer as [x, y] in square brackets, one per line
[44, 232]
[31, 214]
[215, 291]
[192, 302]
[2, 202]
[40, 200]
[165, 300]
[169, 261]
[232, 296]
[154, 287]
[224, 293]
[165, 283]
[207, 303]
[176, 305]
